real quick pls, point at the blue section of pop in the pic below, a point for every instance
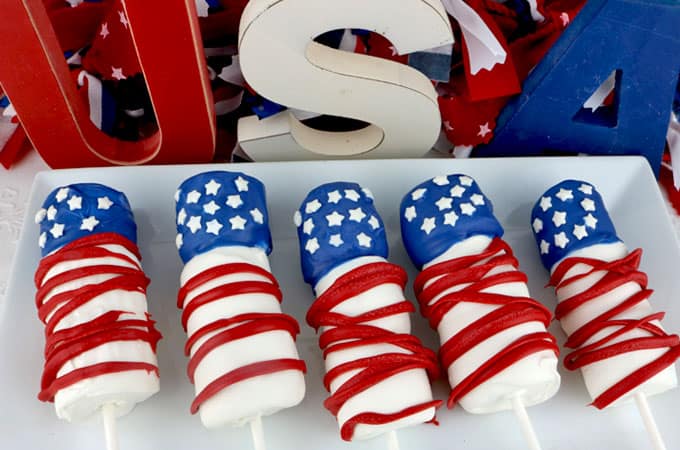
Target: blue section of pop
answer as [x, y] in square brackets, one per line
[336, 223]
[218, 209]
[79, 210]
[442, 212]
[569, 216]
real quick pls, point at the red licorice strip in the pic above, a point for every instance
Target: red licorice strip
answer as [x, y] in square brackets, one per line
[219, 271]
[47, 395]
[244, 373]
[247, 324]
[618, 272]
[372, 418]
[473, 270]
[351, 331]
[229, 290]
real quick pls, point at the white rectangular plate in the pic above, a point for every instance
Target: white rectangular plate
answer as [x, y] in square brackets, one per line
[164, 422]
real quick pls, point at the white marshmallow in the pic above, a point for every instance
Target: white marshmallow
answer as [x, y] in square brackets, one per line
[261, 395]
[600, 376]
[534, 378]
[393, 394]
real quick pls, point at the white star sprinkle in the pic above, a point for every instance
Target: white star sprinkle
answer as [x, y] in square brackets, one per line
[357, 215]
[561, 239]
[444, 203]
[297, 219]
[75, 202]
[193, 197]
[257, 216]
[545, 203]
[61, 194]
[410, 213]
[580, 231]
[334, 197]
[42, 240]
[559, 218]
[450, 218]
[564, 194]
[364, 240]
[213, 227]
[238, 223]
[367, 193]
[587, 204]
[537, 225]
[89, 223]
[457, 191]
[179, 240]
[40, 215]
[586, 189]
[545, 247]
[211, 187]
[335, 219]
[104, 203]
[351, 194]
[313, 206]
[418, 193]
[336, 240]
[181, 216]
[234, 201]
[177, 193]
[590, 221]
[465, 180]
[477, 199]
[467, 209]
[211, 208]
[312, 245]
[51, 212]
[428, 225]
[241, 184]
[441, 180]
[194, 224]
[308, 226]
[57, 230]
[374, 223]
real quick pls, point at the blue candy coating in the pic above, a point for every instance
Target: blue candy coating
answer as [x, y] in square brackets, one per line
[569, 216]
[441, 212]
[337, 222]
[219, 209]
[78, 210]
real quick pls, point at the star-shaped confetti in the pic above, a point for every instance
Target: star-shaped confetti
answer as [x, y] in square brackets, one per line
[561, 239]
[62, 194]
[351, 194]
[467, 209]
[336, 240]
[194, 224]
[181, 216]
[580, 231]
[418, 194]
[559, 218]
[374, 223]
[457, 191]
[57, 230]
[590, 221]
[588, 204]
[410, 213]
[117, 73]
[312, 245]
[441, 180]
[537, 225]
[364, 240]
[429, 224]
[335, 219]
[564, 194]
[193, 197]
[308, 226]
[241, 184]
[238, 223]
[312, 207]
[546, 203]
[40, 215]
[334, 197]
[450, 218]
[257, 215]
[356, 214]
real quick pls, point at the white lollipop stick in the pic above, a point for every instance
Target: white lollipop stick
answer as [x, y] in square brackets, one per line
[392, 441]
[525, 423]
[257, 433]
[110, 432]
[648, 419]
